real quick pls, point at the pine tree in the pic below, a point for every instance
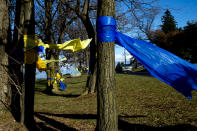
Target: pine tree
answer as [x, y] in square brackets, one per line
[169, 24]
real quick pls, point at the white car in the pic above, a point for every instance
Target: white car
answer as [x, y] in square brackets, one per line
[127, 68]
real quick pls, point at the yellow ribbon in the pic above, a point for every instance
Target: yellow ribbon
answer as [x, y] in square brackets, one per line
[42, 64]
[49, 61]
[73, 45]
[31, 55]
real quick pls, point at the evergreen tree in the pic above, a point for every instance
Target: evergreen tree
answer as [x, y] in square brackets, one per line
[169, 24]
[118, 68]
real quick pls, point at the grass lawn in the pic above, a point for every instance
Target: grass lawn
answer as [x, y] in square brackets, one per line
[143, 103]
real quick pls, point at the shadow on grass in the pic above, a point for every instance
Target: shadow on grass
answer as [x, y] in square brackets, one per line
[126, 126]
[62, 95]
[137, 73]
[40, 126]
[44, 91]
[122, 124]
[41, 81]
[55, 124]
[140, 74]
[66, 95]
[39, 89]
[77, 82]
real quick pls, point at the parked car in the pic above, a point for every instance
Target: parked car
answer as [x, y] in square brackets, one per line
[127, 68]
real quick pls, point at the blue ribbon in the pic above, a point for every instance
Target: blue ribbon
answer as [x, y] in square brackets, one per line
[61, 84]
[40, 48]
[106, 29]
[161, 64]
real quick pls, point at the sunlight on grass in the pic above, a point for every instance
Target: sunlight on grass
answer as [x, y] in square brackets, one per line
[141, 100]
[159, 104]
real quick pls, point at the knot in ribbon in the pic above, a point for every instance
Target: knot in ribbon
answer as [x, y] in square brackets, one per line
[106, 29]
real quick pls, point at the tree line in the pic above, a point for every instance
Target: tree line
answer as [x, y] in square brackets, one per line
[180, 41]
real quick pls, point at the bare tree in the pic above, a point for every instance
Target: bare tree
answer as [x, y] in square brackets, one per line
[51, 23]
[137, 16]
[84, 14]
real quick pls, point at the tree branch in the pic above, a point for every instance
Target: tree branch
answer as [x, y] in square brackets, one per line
[38, 1]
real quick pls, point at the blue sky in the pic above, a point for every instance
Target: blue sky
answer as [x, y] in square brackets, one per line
[182, 10]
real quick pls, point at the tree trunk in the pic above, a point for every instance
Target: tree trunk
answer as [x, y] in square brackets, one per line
[50, 71]
[87, 57]
[4, 24]
[27, 108]
[3, 78]
[22, 87]
[16, 62]
[50, 53]
[91, 82]
[106, 92]
[84, 16]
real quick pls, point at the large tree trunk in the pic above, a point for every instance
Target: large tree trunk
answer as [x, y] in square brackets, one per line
[4, 24]
[27, 108]
[3, 78]
[106, 94]
[22, 103]
[16, 61]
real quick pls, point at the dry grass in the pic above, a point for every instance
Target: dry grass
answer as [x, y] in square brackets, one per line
[144, 103]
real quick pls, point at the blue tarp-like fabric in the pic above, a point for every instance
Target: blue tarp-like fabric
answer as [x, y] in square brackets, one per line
[161, 64]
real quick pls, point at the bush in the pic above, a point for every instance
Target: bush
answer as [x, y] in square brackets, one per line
[118, 68]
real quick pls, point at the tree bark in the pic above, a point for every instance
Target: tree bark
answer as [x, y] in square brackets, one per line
[16, 61]
[27, 108]
[84, 16]
[22, 87]
[50, 53]
[106, 91]
[4, 24]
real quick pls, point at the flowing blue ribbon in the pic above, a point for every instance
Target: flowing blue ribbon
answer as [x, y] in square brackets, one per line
[161, 64]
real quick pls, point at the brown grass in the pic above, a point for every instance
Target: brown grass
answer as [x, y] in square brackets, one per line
[144, 103]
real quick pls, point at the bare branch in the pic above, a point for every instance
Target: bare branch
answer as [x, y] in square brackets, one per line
[6, 105]
[18, 87]
[85, 7]
[38, 1]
